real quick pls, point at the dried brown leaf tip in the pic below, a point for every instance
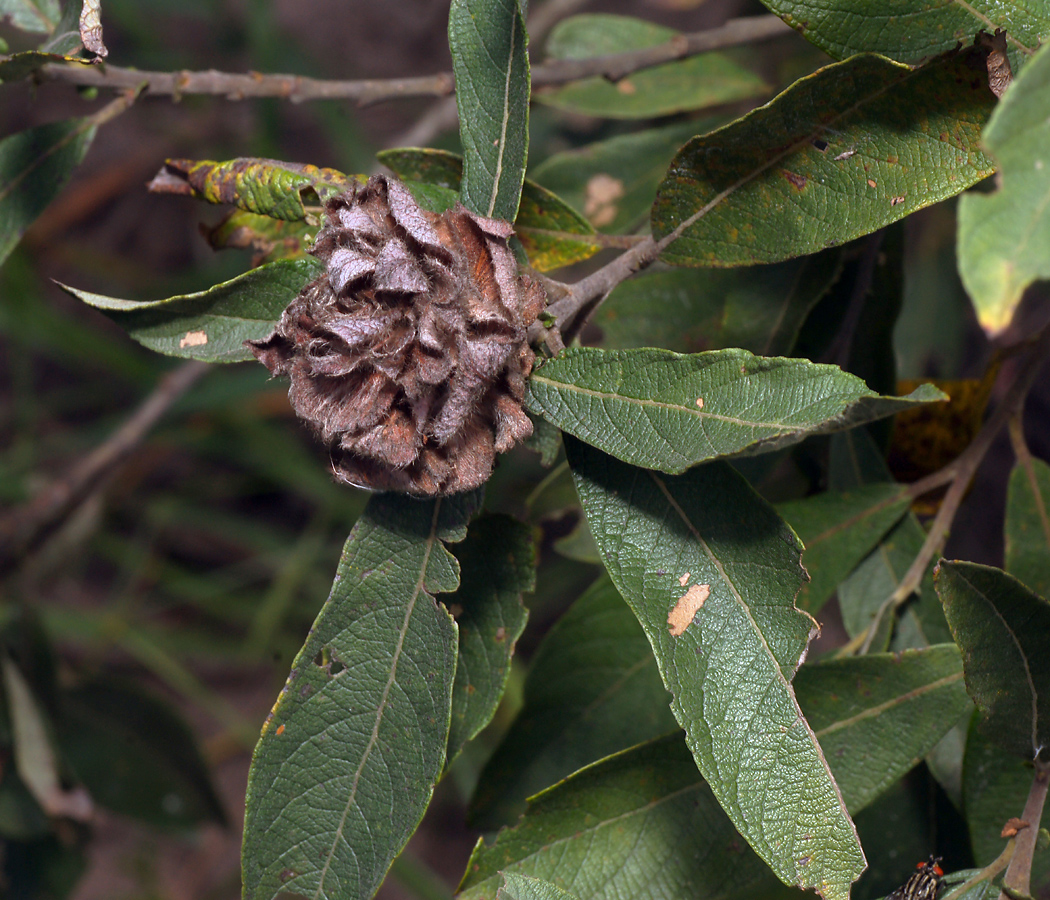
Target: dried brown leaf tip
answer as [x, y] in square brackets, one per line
[409, 356]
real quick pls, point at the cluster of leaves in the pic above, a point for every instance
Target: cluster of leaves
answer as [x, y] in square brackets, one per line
[709, 758]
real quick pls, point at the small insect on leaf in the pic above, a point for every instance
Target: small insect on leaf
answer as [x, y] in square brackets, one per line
[924, 884]
[688, 605]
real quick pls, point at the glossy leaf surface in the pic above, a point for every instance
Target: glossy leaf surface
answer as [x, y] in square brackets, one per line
[697, 82]
[498, 565]
[667, 411]
[265, 186]
[1003, 630]
[552, 232]
[214, 324]
[758, 308]
[40, 16]
[839, 154]
[488, 43]
[34, 167]
[706, 536]
[350, 753]
[593, 690]
[1028, 525]
[908, 30]
[522, 887]
[1004, 236]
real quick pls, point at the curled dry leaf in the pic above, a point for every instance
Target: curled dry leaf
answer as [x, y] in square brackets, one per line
[408, 356]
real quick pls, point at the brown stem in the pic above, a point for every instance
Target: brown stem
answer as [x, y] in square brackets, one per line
[297, 88]
[26, 528]
[1018, 876]
[959, 473]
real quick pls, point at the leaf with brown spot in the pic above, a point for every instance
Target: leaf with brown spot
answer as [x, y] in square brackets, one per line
[731, 193]
[265, 186]
[689, 604]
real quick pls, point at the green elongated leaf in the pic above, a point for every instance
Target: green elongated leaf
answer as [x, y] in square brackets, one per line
[642, 817]
[1003, 630]
[994, 790]
[701, 81]
[214, 324]
[268, 187]
[1028, 524]
[269, 239]
[876, 716]
[618, 822]
[839, 154]
[349, 756]
[34, 167]
[704, 552]
[593, 690]
[864, 595]
[39, 16]
[552, 232]
[667, 411]
[909, 31]
[522, 887]
[498, 562]
[136, 756]
[1004, 236]
[759, 308]
[839, 530]
[613, 182]
[488, 43]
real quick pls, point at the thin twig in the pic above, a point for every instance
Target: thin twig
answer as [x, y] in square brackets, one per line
[1018, 876]
[986, 874]
[26, 528]
[958, 473]
[298, 88]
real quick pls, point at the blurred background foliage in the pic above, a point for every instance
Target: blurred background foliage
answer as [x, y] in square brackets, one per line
[158, 624]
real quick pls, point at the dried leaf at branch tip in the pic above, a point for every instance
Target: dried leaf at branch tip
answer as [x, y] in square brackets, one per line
[91, 27]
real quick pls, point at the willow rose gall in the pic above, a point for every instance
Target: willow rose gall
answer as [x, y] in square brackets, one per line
[408, 356]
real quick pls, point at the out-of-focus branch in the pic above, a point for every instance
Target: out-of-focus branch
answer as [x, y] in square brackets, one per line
[26, 528]
[957, 474]
[297, 88]
[1018, 878]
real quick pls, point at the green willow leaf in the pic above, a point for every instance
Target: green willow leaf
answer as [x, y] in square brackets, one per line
[855, 704]
[34, 167]
[909, 31]
[21, 65]
[1004, 236]
[40, 16]
[552, 232]
[1028, 524]
[488, 43]
[667, 411]
[136, 755]
[642, 817]
[838, 531]
[349, 756]
[268, 187]
[269, 239]
[704, 554]
[593, 690]
[994, 789]
[213, 324]
[599, 830]
[613, 182]
[498, 564]
[697, 82]
[521, 887]
[1003, 630]
[839, 154]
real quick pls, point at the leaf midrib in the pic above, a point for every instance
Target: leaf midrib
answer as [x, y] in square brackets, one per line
[380, 710]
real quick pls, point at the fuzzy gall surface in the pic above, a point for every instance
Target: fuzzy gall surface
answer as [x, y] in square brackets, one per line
[408, 357]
